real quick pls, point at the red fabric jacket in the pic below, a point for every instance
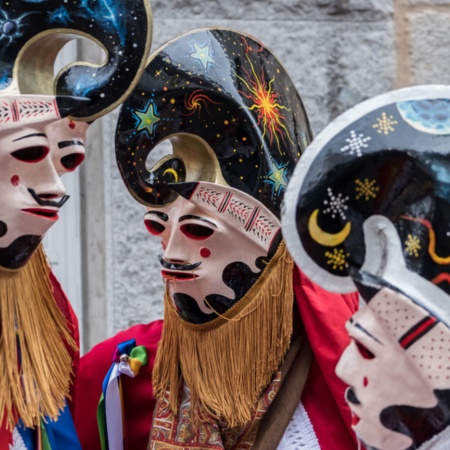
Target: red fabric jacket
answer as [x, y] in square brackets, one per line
[323, 314]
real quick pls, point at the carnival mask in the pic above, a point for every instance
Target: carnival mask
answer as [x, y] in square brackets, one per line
[369, 206]
[36, 150]
[237, 126]
[43, 118]
[216, 241]
[396, 367]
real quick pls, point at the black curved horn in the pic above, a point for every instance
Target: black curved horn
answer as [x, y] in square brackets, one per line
[33, 32]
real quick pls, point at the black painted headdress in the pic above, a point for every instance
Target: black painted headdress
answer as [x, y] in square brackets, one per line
[230, 111]
[388, 158]
[33, 32]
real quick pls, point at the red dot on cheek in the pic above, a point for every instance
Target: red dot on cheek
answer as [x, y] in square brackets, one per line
[71, 124]
[205, 252]
[15, 180]
[365, 381]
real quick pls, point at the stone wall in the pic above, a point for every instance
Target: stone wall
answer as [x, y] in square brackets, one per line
[338, 53]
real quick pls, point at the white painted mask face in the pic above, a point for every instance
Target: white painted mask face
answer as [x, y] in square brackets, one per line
[33, 156]
[210, 259]
[395, 362]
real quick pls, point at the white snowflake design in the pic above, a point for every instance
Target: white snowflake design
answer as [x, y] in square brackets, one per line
[356, 143]
[18, 443]
[336, 205]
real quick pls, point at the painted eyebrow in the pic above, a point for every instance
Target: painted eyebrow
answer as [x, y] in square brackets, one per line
[30, 135]
[159, 214]
[191, 216]
[361, 328]
[64, 144]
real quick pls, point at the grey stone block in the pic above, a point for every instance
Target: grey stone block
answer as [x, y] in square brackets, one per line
[430, 47]
[136, 280]
[367, 10]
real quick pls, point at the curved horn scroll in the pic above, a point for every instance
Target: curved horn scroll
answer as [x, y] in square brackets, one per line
[33, 32]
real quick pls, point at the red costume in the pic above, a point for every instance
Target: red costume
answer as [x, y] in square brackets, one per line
[323, 315]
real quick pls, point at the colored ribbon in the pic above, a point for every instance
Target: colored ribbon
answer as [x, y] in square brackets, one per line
[127, 359]
[50, 435]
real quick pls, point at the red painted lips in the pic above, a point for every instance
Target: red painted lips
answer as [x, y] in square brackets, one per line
[179, 276]
[50, 214]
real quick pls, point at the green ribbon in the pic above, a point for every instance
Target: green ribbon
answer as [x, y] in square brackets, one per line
[140, 353]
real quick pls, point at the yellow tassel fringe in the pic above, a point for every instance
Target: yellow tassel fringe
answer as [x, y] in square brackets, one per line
[33, 326]
[228, 362]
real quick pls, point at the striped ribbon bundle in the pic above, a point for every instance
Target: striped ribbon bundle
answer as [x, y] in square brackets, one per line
[127, 359]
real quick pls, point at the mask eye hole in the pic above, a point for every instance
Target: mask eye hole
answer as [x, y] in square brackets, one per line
[72, 161]
[154, 227]
[364, 351]
[196, 232]
[31, 154]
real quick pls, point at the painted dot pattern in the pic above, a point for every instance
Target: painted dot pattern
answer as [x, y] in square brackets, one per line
[397, 313]
[431, 354]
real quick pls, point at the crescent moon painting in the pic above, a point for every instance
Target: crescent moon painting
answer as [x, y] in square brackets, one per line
[324, 238]
[174, 174]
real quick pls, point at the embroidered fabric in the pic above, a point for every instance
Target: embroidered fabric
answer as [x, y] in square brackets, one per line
[183, 431]
[18, 443]
[299, 434]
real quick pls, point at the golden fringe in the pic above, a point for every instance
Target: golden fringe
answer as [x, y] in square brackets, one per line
[33, 326]
[228, 362]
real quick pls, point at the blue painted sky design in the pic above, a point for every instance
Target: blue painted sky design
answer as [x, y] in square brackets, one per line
[109, 13]
[60, 15]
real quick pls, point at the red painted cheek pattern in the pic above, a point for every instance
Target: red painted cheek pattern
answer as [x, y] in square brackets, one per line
[205, 252]
[71, 124]
[365, 381]
[15, 180]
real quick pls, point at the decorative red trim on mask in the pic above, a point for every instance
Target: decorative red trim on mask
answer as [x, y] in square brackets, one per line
[417, 331]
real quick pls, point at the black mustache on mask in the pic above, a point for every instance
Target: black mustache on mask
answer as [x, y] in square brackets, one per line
[42, 202]
[174, 266]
